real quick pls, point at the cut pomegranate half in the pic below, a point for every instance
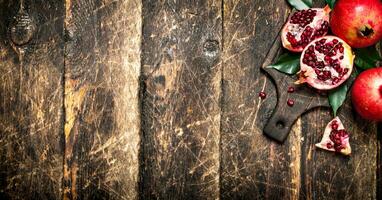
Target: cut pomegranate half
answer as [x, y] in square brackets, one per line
[326, 63]
[303, 26]
[335, 138]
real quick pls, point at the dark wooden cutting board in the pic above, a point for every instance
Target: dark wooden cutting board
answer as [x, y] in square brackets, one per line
[304, 97]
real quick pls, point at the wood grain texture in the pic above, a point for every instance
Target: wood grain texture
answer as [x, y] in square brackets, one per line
[146, 99]
[181, 88]
[101, 99]
[331, 176]
[253, 167]
[31, 90]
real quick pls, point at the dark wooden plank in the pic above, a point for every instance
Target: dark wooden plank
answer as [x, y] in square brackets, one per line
[329, 176]
[101, 99]
[252, 166]
[180, 111]
[31, 96]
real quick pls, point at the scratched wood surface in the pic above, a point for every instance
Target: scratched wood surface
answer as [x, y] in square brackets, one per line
[146, 99]
[253, 167]
[181, 85]
[31, 113]
[101, 99]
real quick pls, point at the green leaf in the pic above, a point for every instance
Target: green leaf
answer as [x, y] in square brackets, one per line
[331, 3]
[337, 97]
[287, 63]
[300, 4]
[366, 58]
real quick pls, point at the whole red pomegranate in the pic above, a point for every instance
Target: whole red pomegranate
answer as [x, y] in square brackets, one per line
[367, 94]
[357, 22]
[326, 63]
[303, 26]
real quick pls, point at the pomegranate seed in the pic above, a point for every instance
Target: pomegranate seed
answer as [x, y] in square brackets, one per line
[339, 70]
[290, 102]
[334, 126]
[335, 80]
[262, 95]
[342, 133]
[341, 48]
[329, 145]
[327, 74]
[290, 89]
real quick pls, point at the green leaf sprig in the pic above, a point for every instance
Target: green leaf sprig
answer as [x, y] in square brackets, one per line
[337, 97]
[366, 58]
[301, 4]
[331, 3]
[287, 63]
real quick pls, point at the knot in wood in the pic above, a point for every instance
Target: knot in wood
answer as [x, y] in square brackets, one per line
[211, 48]
[68, 35]
[22, 28]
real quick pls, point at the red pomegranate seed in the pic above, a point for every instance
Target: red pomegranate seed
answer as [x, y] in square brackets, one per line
[262, 95]
[341, 48]
[334, 126]
[329, 145]
[290, 102]
[342, 133]
[290, 89]
[335, 80]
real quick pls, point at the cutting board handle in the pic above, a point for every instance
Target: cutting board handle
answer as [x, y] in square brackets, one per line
[282, 120]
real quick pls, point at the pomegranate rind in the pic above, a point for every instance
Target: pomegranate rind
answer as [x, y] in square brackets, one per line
[366, 94]
[326, 139]
[324, 15]
[349, 18]
[307, 74]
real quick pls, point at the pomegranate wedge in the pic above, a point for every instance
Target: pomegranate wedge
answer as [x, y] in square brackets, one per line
[335, 138]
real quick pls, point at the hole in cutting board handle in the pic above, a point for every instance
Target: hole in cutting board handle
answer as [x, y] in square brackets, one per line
[280, 124]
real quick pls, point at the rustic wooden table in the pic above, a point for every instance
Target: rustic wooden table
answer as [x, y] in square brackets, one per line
[127, 99]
